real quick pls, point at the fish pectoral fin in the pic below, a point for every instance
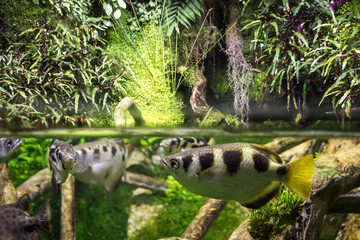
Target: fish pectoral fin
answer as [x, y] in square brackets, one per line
[55, 185]
[44, 215]
[113, 185]
[23, 203]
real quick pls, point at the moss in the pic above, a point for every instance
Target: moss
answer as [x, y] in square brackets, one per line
[257, 92]
[271, 219]
[220, 84]
[21, 15]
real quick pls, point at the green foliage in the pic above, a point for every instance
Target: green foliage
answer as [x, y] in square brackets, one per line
[271, 219]
[31, 159]
[145, 12]
[113, 7]
[57, 77]
[146, 75]
[181, 13]
[18, 16]
[257, 91]
[106, 214]
[220, 85]
[303, 45]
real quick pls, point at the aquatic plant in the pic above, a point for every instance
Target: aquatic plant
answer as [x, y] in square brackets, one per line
[146, 74]
[307, 48]
[29, 160]
[271, 218]
[57, 77]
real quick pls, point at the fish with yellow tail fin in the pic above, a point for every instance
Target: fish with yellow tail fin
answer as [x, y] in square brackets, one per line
[248, 173]
[175, 145]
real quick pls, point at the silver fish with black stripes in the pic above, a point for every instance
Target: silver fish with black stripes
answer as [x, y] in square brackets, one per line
[248, 173]
[175, 145]
[101, 162]
[8, 147]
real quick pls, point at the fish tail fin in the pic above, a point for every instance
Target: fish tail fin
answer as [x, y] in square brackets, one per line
[299, 176]
[44, 217]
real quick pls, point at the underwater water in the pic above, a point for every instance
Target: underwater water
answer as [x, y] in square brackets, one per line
[130, 213]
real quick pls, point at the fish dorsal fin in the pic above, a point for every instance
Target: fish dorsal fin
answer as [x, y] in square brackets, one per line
[23, 203]
[270, 152]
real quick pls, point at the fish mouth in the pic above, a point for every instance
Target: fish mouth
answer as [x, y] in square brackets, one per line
[68, 163]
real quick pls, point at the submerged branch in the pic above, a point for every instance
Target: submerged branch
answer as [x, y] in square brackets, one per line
[68, 209]
[205, 217]
[36, 185]
[7, 189]
[314, 212]
[140, 180]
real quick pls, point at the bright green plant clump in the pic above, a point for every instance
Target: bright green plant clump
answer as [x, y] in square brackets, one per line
[146, 71]
[30, 160]
[271, 219]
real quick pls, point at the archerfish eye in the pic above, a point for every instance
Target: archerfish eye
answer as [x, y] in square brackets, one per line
[174, 164]
[8, 143]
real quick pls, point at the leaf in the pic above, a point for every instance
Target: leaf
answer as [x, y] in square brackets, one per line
[104, 100]
[107, 8]
[117, 14]
[122, 4]
[76, 102]
[249, 25]
[276, 28]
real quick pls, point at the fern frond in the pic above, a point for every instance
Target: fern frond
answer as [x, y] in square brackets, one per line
[181, 13]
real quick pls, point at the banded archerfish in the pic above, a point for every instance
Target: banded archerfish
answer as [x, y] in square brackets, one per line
[101, 162]
[248, 173]
[178, 144]
[8, 147]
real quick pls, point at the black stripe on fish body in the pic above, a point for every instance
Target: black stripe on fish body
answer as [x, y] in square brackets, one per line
[123, 157]
[282, 170]
[104, 148]
[184, 145]
[187, 160]
[261, 201]
[178, 141]
[52, 150]
[261, 162]
[232, 160]
[83, 151]
[96, 151]
[53, 157]
[206, 160]
[113, 151]
[188, 139]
